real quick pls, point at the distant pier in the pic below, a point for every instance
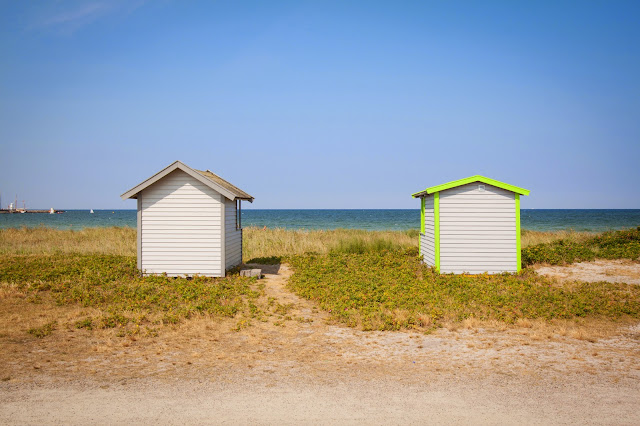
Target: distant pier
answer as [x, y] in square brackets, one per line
[5, 211]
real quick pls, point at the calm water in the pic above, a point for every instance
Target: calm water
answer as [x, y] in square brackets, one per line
[539, 220]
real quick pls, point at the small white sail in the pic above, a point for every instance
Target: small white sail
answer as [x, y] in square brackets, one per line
[52, 211]
[91, 211]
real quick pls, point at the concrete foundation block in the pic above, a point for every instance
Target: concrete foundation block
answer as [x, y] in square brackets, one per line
[251, 273]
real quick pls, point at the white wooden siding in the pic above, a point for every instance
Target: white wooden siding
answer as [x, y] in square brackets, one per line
[181, 227]
[233, 245]
[427, 240]
[477, 230]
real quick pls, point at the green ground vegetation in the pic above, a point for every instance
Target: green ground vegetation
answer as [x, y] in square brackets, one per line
[112, 284]
[386, 290]
[375, 285]
[624, 244]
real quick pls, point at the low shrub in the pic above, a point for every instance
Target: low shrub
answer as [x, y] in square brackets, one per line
[44, 330]
[85, 323]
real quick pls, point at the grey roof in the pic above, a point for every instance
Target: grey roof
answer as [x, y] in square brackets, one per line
[208, 178]
[239, 193]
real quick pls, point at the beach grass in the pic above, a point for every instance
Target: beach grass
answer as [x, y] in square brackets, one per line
[119, 241]
[276, 243]
[531, 238]
[257, 242]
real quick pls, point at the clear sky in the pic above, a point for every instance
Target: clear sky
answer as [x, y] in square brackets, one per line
[321, 104]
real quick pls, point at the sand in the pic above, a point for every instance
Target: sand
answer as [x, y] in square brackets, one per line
[301, 368]
[616, 271]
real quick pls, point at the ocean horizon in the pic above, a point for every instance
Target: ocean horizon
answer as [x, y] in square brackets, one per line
[592, 220]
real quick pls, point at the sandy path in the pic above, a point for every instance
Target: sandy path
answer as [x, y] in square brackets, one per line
[295, 366]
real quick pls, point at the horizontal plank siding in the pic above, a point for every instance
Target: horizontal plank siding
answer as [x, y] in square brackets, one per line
[477, 259]
[181, 227]
[477, 241]
[488, 232]
[427, 241]
[160, 213]
[477, 230]
[479, 200]
[233, 240]
[467, 270]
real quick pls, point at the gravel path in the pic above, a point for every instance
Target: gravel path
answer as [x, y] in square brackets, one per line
[445, 401]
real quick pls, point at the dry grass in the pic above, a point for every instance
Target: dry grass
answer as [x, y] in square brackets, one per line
[258, 243]
[20, 312]
[265, 243]
[117, 241]
[531, 238]
[586, 329]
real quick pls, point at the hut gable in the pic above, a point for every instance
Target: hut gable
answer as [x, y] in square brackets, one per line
[471, 225]
[471, 179]
[208, 178]
[187, 223]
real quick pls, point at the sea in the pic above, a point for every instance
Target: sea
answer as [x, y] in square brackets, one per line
[533, 219]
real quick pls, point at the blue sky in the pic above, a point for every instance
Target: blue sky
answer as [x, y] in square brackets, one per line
[321, 104]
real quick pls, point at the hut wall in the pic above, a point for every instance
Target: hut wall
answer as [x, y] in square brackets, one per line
[427, 240]
[181, 227]
[233, 236]
[477, 230]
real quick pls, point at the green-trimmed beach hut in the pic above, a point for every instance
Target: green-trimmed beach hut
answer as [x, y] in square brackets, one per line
[471, 225]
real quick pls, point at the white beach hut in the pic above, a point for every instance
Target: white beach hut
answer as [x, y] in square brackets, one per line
[471, 225]
[188, 222]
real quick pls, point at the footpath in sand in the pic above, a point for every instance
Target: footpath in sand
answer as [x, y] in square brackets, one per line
[295, 366]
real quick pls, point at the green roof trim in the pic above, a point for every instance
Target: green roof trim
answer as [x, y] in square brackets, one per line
[471, 179]
[436, 229]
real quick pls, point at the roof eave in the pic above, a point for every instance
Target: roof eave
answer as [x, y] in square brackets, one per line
[238, 194]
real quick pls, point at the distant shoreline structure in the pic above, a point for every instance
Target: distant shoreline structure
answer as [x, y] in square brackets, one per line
[5, 211]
